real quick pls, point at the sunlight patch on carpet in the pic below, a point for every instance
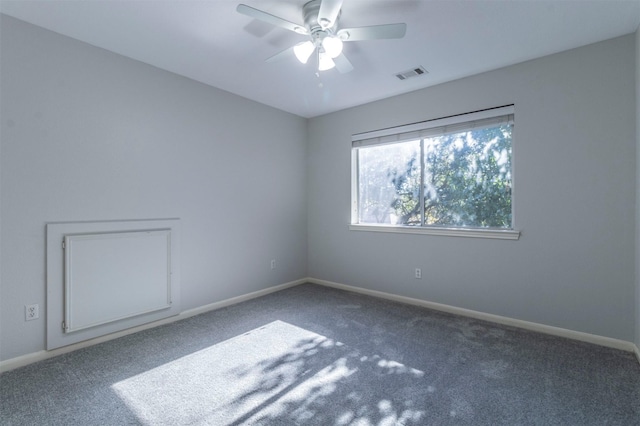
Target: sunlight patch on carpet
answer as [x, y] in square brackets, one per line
[275, 372]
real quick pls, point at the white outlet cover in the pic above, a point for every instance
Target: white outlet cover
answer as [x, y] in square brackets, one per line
[32, 312]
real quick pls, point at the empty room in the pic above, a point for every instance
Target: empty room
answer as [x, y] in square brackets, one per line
[326, 212]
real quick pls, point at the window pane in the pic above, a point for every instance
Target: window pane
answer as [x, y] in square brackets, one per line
[468, 179]
[389, 184]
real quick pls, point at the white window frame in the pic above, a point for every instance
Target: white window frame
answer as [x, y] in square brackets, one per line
[424, 129]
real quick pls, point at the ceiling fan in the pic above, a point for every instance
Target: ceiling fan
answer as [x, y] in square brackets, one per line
[325, 39]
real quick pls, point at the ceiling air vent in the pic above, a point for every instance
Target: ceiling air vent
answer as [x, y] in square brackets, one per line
[414, 72]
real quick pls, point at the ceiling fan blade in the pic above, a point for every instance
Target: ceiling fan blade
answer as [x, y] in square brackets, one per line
[328, 13]
[271, 19]
[281, 55]
[375, 32]
[343, 65]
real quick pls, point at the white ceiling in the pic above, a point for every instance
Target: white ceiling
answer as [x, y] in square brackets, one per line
[210, 42]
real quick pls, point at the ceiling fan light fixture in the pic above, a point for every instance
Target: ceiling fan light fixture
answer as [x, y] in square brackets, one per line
[332, 46]
[303, 51]
[325, 62]
[326, 37]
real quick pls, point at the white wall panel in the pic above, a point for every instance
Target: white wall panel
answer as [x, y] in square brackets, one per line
[104, 277]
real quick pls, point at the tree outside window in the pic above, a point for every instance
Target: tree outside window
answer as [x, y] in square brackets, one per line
[460, 179]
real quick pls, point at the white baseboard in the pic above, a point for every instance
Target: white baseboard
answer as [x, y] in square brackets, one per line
[27, 359]
[527, 325]
[238, 299]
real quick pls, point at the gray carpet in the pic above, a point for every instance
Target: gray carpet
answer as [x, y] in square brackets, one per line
[312, 355]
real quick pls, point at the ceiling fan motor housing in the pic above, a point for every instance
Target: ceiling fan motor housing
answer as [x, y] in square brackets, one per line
[311, 11]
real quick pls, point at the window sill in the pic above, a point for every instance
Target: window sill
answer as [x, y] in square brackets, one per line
[500, 234]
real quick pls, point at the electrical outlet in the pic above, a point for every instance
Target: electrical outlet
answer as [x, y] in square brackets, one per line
[418, 273]
[31, 312]
[273, 264]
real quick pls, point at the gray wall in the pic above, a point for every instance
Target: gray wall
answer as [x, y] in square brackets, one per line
[574, 165]
[637, 187]
[90, 135]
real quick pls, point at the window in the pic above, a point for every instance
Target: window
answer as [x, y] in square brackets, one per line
[452, 174]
